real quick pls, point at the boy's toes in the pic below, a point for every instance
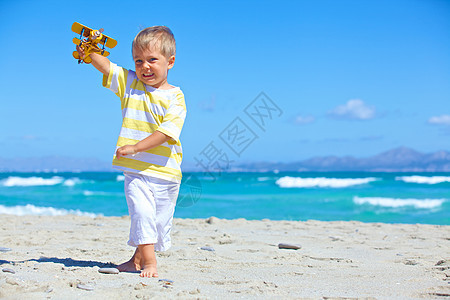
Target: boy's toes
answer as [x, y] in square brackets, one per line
[149, 271]
[148, 274]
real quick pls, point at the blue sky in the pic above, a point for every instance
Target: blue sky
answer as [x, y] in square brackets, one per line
[349, 77]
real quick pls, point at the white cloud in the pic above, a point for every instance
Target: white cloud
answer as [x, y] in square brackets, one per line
[354, 109]
[304, 119]
[440, 120]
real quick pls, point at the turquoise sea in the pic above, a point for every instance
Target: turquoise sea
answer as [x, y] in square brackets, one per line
[368, 197]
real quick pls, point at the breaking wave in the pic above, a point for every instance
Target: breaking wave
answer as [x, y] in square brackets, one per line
[423, 179]
[31, 181]
[38, 181]
[398, 202]
[29, 209]
[323, 182]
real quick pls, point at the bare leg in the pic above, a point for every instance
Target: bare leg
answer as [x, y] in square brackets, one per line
[148, 264]
[133, 265]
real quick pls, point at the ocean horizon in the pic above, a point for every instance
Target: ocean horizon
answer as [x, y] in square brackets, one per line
[387, 197]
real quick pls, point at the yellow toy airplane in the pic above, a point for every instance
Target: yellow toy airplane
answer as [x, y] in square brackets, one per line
[88, 41]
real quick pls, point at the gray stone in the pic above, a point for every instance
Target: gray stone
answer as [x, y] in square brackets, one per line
[109, 270]
[8, 270]
[207, 248]
[85, 287]
[289, 246]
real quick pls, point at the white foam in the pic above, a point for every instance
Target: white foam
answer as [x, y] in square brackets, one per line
[120, 178]
[30, 181]
[29, 209]
[423, 179]
[72, 181]
[96, 193]
[399, 202]
[323, 182]
[38, 181]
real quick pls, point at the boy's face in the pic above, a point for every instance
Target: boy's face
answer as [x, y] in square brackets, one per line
[152, 67]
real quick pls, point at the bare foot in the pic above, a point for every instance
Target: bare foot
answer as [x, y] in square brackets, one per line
[149, 271]
[133, 265]
[148, 263]
[129, 266]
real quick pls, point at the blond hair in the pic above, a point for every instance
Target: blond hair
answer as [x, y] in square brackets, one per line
[158, 36]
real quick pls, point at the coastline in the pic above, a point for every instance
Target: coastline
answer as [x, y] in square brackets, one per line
[52, 256]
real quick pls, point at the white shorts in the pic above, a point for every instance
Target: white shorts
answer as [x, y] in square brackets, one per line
[151, 203]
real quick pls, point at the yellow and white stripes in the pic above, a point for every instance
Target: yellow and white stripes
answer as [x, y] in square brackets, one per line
[145, 110]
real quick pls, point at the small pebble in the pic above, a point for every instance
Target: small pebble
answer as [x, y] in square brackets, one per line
[166, 281]
[109, 270]
[441, 262]
[289, 246]
[4, 249]
[211, 220]
[8, 270]
[207, 248]
[85, 287]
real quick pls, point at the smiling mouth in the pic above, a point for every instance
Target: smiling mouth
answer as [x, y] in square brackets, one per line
[147, 76]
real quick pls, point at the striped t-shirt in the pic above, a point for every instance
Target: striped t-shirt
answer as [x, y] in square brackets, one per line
[145, 110]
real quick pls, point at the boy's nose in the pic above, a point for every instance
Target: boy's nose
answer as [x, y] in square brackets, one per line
[146, 65]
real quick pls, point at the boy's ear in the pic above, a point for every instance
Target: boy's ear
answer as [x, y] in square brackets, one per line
[171, 62]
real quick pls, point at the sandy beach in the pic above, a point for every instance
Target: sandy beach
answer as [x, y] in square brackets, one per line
[59, 258]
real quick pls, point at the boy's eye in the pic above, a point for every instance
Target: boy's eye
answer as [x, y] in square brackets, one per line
[152, 59]
[138, 61]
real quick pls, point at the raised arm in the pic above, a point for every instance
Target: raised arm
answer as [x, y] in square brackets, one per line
[100, 62]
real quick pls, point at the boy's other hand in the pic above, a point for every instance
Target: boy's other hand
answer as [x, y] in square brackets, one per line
[126, 150]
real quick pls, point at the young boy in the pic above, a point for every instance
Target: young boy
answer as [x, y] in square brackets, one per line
[148, 150]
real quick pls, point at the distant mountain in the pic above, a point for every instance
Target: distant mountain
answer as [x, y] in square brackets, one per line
[53, 163]
[400, 159]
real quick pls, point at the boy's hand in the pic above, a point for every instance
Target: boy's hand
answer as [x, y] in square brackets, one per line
[100, 62]
[80, 52]
[126, 150]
